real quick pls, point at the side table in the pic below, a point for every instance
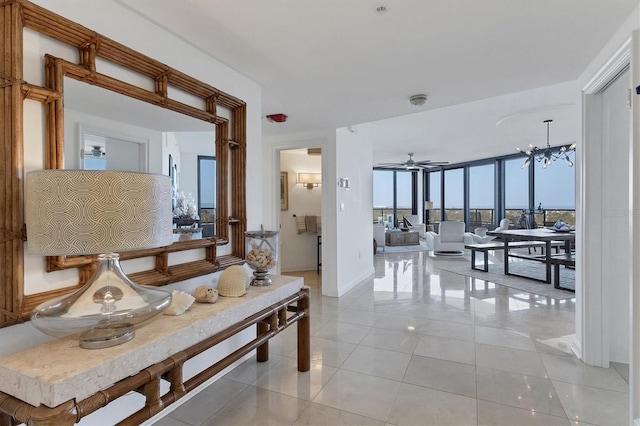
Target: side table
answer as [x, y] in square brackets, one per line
[408, 238]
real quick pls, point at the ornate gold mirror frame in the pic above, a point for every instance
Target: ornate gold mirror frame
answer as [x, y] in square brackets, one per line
[230, 149]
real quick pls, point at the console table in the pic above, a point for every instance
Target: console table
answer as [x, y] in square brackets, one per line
[58, 383]
[407, 238]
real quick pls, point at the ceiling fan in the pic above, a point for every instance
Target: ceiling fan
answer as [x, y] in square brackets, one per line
[411, 164]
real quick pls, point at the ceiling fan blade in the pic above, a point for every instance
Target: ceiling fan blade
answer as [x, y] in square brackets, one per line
[428, 166]
[431, 162]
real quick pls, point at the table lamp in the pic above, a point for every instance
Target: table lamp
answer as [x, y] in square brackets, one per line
[88, 212]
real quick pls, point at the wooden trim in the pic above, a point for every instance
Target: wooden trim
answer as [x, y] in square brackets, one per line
[268, 322]
[20, 14]
[239, 179]
[11, 152]
[222, 177]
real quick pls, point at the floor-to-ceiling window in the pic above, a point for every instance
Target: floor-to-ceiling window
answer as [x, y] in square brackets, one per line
[454, 194]
[500, 188]
[554, 194]
[435, 196]
[394, 195]
[404, 194]
[383, 196]
[482, 196]
[516, 191]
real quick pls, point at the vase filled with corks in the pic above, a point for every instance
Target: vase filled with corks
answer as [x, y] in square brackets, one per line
[262, 255]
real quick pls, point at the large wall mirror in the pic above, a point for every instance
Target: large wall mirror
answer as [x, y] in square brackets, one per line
[171, 124]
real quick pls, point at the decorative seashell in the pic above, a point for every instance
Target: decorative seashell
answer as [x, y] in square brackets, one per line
[233, 282]
[206, 294]
[180, 302]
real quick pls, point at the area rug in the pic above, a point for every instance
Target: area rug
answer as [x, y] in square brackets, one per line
[535, 269]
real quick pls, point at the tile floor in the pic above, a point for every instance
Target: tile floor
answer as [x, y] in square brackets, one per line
[418, 346]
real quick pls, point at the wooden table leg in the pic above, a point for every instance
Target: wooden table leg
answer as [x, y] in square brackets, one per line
[304, 335]
[262, 352]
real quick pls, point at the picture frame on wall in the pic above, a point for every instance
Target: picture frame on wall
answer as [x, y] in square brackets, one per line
[284, 191]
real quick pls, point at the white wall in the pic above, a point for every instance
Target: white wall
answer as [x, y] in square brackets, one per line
[298, 252]
[326, 140]
[354, 159]
[113, 20]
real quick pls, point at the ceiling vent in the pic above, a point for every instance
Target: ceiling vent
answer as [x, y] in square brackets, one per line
[314, 151]
[418, 100]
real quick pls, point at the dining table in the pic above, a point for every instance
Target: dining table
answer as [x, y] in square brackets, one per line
[548, 236]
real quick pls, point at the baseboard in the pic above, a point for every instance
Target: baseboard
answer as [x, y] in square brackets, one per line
[342, 290]
[576, 348]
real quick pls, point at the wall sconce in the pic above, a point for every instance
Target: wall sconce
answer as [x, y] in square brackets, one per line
[310, 179]
[344, 183]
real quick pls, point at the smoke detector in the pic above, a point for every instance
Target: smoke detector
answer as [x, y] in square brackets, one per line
[418, 100]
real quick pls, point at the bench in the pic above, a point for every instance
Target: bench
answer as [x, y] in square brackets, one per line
[562, 259]
[486, 247]
[556, 245]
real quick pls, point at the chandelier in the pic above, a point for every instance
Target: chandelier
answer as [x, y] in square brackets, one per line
[547, 155]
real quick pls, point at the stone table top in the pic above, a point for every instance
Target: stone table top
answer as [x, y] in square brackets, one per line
[59, 370]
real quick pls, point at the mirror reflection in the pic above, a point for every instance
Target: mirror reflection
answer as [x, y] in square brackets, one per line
[107, 131]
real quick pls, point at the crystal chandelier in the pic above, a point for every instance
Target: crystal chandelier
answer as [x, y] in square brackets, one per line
[547, 155]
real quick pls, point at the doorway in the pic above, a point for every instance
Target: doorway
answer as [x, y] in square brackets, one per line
[300, 213]
[605, 221]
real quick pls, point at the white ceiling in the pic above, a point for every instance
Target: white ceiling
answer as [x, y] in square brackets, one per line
[334, 63]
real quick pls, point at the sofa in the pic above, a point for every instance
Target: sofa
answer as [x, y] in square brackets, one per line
[451, 238]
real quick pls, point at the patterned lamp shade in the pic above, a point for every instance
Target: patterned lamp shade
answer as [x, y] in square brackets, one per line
[78, 212]
[73, 212]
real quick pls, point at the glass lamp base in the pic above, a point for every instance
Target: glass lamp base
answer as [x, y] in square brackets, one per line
[100, 338]
[261, 279]
[105, 311]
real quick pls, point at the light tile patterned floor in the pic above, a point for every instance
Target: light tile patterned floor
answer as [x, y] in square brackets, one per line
[420, 346]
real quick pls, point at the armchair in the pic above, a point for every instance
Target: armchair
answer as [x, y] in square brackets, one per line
[412, 222]
[451, 239]
[504, 225]
[378, 234]
[480, 236]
